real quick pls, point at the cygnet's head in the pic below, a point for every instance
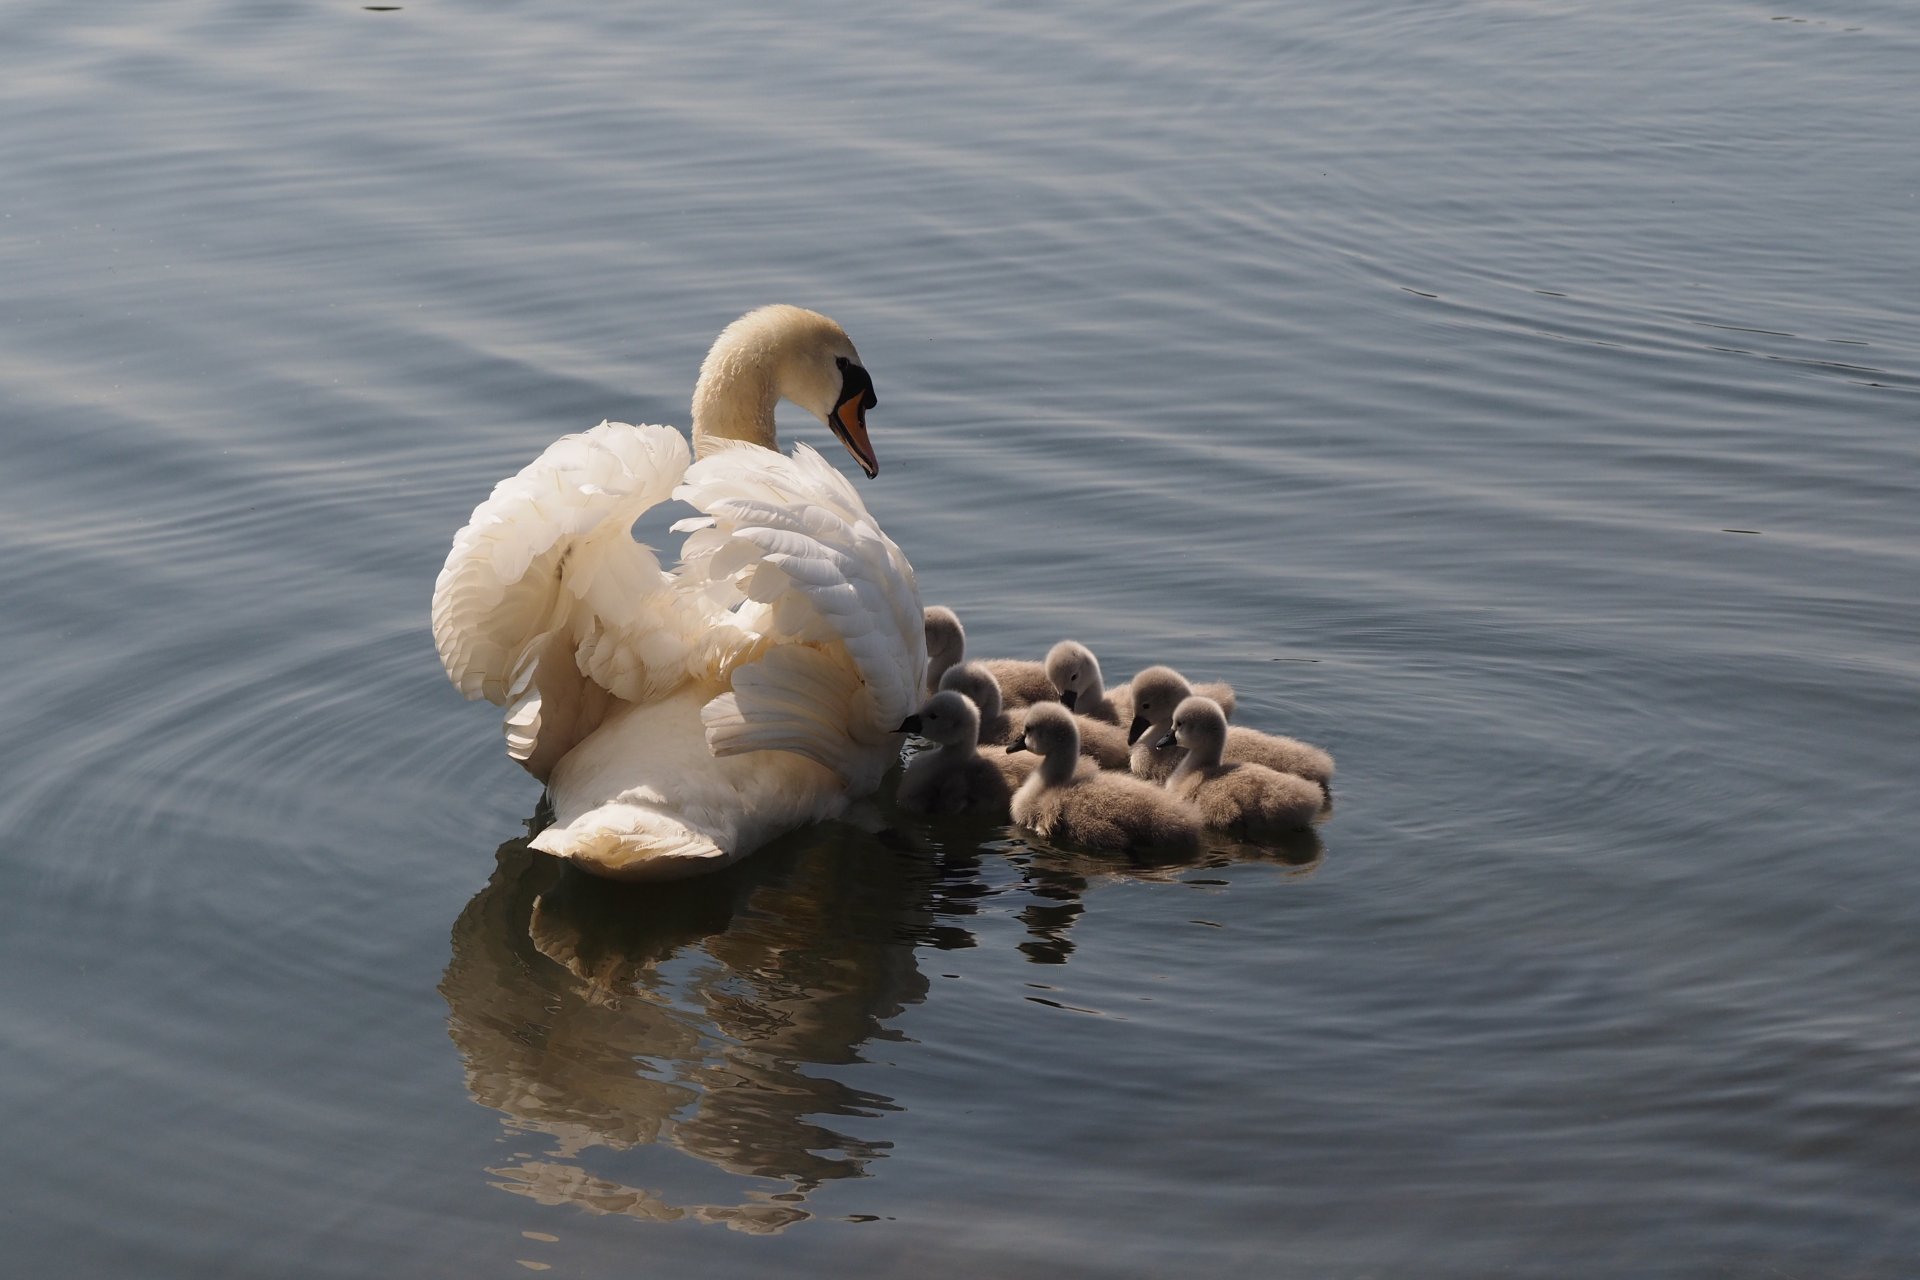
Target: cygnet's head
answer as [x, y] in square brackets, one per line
[1200, 726]
[946, 638]
[947, 718]
[1050, 730]
[811, 362]
[1157, 693]
[1075, 673]
[976, 682]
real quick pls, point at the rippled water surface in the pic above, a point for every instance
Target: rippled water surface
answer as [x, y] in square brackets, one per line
[1517, 397]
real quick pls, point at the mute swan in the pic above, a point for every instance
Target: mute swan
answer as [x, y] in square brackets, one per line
[1158, 693]
[681, 719]
[1066, 803]
[1022, 683]
[1246, 800]
[954, 777]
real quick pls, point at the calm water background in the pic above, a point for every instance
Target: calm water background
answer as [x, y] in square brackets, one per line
[1414, 366]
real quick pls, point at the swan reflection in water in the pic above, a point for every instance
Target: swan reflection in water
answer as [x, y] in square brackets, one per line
[627, 1022]
[724, 1018]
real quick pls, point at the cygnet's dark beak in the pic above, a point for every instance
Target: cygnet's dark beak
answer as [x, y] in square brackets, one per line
[1018, 744]
[1166, 740]
[910, 725]
[1138, 727]
[1067, 697]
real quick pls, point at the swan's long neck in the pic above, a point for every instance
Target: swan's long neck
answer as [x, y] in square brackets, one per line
[733, 400]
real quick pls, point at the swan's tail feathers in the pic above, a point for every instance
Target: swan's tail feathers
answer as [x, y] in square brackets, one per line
[548, 606]
[627, 841]
[643, 799]
[830, 603]
[550, 709]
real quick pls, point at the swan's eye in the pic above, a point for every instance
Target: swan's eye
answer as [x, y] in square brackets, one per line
[840, 363]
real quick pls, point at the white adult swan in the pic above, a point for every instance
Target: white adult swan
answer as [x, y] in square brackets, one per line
[681, 719]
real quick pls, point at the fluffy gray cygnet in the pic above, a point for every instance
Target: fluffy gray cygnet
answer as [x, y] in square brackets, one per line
[1075, 673]
[953, 777]
[1021, 682]
[1246, 800]
[975, 682]
[1066, 802]
[997, 728]
[1158, 693]
[1104, 744]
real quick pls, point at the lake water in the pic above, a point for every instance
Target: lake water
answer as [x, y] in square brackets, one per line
[1517, 396]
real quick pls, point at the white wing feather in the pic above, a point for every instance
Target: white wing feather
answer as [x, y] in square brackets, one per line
[546, 604]
[827, 604]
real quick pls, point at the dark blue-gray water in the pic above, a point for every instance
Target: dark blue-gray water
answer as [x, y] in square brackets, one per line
[1517, 396]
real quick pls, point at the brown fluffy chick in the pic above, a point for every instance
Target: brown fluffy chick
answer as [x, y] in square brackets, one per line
[997, 728]
[1021, 682]
[953, 777]
[1250, 801]
[1107, 812]
[1158, 693]
[1075, 673]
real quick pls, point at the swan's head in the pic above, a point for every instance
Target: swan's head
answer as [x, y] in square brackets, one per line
[1075, 673]
[1157, 692]
[974, 680]
[797, 355]
[947, 718]
[1050, 731]
[1200, 726]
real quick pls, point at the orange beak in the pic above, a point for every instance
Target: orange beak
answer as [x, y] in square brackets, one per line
[849, 422]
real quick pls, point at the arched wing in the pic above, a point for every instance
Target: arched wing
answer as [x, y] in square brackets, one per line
[547, 605]
[824, 642]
